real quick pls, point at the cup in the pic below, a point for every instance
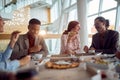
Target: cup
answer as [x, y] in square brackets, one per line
[91, 51]
[111, 75]
[83, 65]
[37, 56]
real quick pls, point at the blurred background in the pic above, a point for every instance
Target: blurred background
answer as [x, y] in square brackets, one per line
[55, 15]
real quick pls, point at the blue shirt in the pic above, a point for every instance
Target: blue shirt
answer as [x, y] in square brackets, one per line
[5, 63]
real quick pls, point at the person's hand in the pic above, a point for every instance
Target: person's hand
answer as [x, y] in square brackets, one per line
[35, 49]
[15, 35]
[86, 49]
[69, 52]
[14, 38]
[92, 48]
[25, 60]
[71, 36]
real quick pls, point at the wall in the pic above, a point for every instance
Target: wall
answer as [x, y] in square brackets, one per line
[19, 22]
[40, 13]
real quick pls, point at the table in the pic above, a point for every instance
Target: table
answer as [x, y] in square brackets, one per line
[64, 74]
[79, 73]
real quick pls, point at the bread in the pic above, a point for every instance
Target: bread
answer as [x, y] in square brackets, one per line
[53, 65]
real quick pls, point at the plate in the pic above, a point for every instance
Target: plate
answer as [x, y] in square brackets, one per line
[62, 62]
[98, 66]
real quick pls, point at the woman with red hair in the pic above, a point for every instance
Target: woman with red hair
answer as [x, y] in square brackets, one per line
[70, 39]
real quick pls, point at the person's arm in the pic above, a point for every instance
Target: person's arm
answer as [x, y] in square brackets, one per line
[78, 50]
[44, 49]
[106, 51]
[17, 52]
[14, 64]
[7, 53]
[39, 48]
[9, 65]
[93, 42]
[63, 44]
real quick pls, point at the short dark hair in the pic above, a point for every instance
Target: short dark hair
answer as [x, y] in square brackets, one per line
[34, 21]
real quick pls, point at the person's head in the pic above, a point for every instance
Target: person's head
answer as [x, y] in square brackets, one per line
[73, 26]
[1, 24]
[101, 24]
[28, 74]
[34, 27]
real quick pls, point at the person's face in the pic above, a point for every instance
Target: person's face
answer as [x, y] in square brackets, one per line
[100, 26]
[34, 29]
[76, 28]
[1, 25]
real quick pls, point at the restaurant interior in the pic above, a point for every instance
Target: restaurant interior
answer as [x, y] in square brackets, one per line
[55, 17]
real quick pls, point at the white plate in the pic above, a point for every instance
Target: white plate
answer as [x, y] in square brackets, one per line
[62, 62]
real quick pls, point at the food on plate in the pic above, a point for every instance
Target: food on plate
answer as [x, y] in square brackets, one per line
[74, 64]
[61, 65]
[49, 64]
[100, 61]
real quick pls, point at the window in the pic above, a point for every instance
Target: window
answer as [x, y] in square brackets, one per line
[118, 27]
[108, 4]
[111, 15]
[93, 6]
[73, 1]
[66, 3]
[72, 15]
[53, 45]
[54, 12]
[90, 24]
[1, 4]
[49, 1]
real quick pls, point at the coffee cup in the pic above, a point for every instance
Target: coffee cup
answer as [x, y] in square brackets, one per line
[37, 56]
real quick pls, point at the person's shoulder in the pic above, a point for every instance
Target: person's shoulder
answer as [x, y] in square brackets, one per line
[113, 32]
[40, 37]
[23, 35]
[96, 34]
[64, 35]
[65, 32]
